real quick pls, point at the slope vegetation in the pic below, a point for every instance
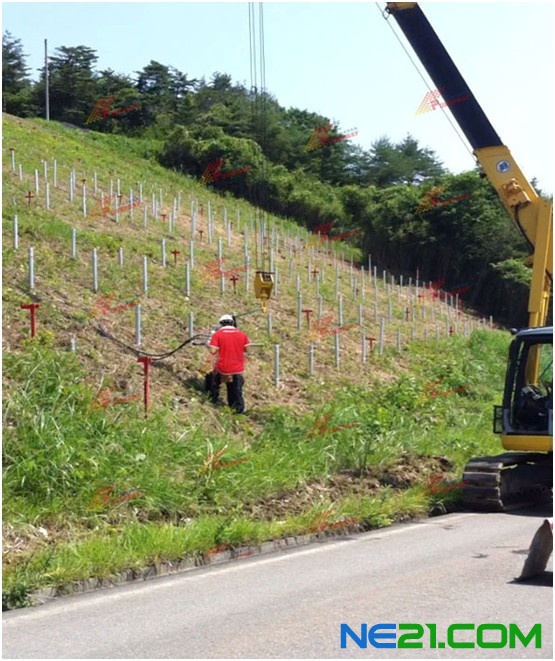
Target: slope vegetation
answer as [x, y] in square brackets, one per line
[382, 392]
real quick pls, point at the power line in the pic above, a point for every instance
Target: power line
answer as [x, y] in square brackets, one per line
[259, 117]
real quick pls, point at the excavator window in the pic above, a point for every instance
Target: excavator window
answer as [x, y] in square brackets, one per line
[533, 396]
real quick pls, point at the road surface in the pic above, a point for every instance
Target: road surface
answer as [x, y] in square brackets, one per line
[291, 604]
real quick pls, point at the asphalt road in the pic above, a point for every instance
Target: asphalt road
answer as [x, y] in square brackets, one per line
[290, 604]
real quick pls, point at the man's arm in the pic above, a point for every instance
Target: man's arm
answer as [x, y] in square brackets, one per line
[213, 343]
[247, 344]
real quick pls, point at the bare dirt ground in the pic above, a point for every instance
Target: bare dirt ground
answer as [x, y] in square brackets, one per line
[409, 471]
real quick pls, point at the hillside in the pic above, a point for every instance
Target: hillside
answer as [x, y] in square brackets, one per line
[396, 396]
[395, 198]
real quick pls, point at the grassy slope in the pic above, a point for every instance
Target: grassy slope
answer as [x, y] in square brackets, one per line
[90, 490]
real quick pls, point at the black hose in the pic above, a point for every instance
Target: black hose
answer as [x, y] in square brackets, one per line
[160, 356]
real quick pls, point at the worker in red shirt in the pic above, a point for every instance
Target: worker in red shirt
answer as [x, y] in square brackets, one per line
[230, 344]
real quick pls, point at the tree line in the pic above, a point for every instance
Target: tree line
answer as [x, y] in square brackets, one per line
[396, 201]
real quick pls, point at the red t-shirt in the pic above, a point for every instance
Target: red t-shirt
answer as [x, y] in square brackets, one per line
[231, 342]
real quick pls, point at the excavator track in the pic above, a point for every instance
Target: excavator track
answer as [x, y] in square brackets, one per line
[507, 481]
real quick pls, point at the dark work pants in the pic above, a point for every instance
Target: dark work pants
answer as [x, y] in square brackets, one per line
[234, 390]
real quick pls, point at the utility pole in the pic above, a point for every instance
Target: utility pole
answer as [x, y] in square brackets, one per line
[46, 90]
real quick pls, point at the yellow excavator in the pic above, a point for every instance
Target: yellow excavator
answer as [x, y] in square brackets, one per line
[525, 417]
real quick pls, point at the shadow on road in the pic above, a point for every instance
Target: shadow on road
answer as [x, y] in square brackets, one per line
[543, 511]
[544, 579]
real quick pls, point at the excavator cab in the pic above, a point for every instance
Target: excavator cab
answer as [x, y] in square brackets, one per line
[524, 475]
[525, 419]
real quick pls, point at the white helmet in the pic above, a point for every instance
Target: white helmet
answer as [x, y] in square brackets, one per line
[225, 319]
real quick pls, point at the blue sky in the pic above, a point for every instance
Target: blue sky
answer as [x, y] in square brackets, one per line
[338, 59]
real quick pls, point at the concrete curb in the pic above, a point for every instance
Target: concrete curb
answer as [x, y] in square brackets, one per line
[183, 565]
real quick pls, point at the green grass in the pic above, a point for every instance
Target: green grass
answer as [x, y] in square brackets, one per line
[92, 490]
[60, 451]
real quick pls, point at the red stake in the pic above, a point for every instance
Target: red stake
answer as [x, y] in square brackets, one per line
[146, 373]
[308, 313]
[175, 253]
[164, 216]
[31, 307]
[28, 197]
[371, 340]
[234, 279]
[201, 232]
